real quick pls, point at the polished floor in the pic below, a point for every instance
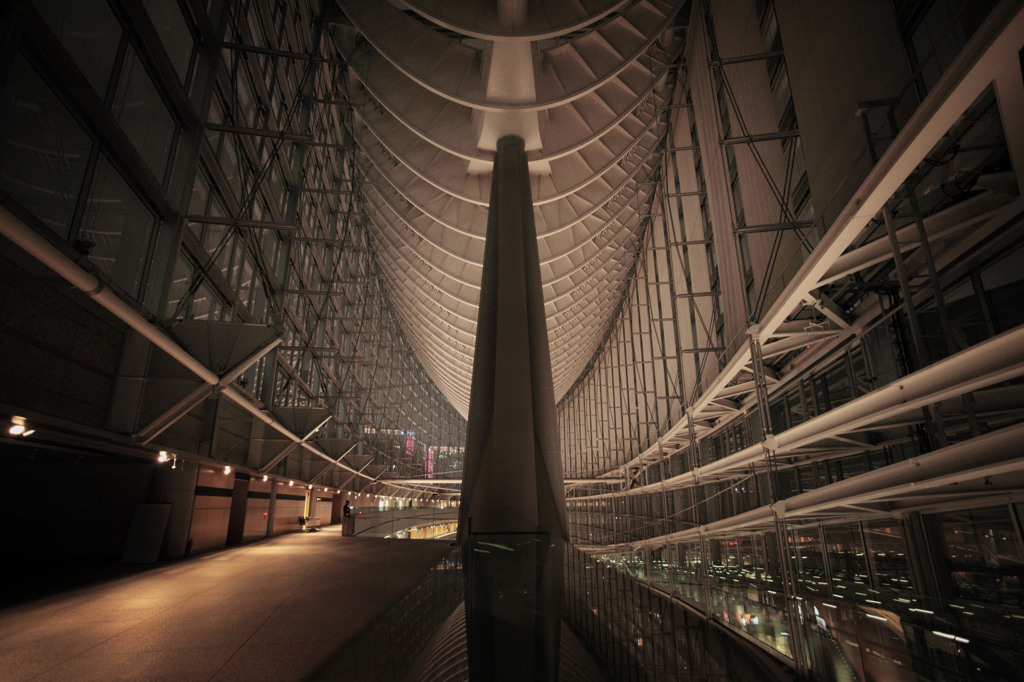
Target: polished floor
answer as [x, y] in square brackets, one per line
[280, 609]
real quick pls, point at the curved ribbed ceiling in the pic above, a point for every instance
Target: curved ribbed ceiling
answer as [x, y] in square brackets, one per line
[434, 84]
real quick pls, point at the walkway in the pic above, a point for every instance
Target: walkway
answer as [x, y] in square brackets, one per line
[275, 610]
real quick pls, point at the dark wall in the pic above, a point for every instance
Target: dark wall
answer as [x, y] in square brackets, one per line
[68, 506]
[59, 351]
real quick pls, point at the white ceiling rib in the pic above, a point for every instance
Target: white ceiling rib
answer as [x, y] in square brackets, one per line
[584, 82]
[544, 19]
[569, 70]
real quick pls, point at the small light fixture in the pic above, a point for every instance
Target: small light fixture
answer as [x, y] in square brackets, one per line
[227, 469]
[19, 427]
[265, 478]
[291, 483]
[309, 487]
[164, 456]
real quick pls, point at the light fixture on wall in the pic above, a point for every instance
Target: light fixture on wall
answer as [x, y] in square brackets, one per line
[291, 483]
[20, 427]
[165, 456]
[265, 478]
[227, 469]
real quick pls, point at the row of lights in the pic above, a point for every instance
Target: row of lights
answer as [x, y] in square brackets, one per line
[19, 426]
[165, 456]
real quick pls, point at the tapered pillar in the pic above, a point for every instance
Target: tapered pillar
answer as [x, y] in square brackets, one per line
[512, 518]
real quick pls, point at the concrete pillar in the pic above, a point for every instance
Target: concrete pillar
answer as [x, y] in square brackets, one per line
[176, 486]
[512, 520]
[336, 502]
[239, 506]
[272, 507]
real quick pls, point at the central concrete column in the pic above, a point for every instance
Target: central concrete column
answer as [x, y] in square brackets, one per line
[512, 518]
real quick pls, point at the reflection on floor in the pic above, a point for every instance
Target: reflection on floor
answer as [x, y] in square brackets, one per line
[428, 532]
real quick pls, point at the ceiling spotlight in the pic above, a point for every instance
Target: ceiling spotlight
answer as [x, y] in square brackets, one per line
[163, 456]
[227, 469]
[309, 487]
[265, 478]
[291, 483]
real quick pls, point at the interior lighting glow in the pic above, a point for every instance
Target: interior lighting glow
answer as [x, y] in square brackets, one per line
[227, 469]
[265, 477]
[162, 457]
[19, 427]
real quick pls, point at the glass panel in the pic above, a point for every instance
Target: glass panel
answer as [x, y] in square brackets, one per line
[142, 114]
[887, 555]
[119, 226]
[810, 564]
[90, 34]
[966, 316]
[43, 151]
[837, 383]
[206, 305]
[846, 560]
[1004, 287]
[183, 272]
[983, 555]
[170, 24]
[245, 284]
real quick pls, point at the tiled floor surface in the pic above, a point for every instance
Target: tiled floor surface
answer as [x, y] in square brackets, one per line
[274, 610]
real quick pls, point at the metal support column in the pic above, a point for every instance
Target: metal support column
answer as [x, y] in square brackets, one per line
[781, 534]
